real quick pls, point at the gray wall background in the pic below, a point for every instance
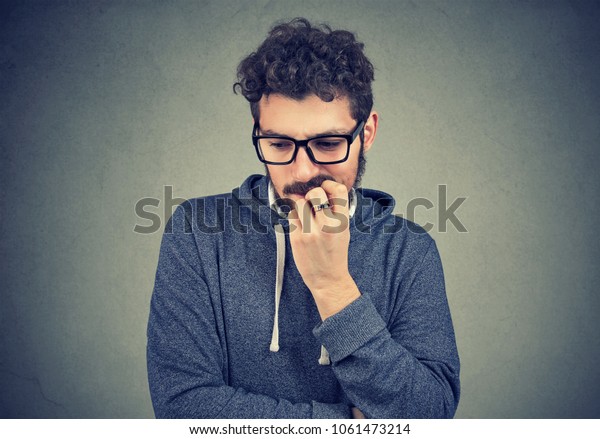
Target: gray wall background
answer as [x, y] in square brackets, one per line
[104, 103]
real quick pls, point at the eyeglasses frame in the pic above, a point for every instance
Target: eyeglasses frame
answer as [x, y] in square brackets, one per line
[350, 138]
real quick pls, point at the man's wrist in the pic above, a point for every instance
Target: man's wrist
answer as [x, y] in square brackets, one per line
[336, 296]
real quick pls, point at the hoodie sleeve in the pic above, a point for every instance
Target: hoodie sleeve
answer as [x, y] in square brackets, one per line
[186, 362]
[407, 368]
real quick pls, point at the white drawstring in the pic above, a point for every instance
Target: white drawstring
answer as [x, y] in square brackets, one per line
[324, 358]
[280, 239]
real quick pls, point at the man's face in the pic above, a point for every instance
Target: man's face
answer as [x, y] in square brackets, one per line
[302, 119]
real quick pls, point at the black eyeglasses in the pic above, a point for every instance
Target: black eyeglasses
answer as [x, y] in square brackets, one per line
[327, 149]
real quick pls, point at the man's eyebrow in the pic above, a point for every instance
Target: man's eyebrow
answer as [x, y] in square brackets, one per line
[335, 131]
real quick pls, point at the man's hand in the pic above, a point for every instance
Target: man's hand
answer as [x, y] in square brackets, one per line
[320, 241]
[357, 414]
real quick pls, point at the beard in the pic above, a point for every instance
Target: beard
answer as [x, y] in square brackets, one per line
[301, 188]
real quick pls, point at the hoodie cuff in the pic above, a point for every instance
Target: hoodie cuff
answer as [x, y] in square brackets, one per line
[322, 410]
[345, 332]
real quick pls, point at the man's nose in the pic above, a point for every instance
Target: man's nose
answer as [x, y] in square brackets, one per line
[304, 168]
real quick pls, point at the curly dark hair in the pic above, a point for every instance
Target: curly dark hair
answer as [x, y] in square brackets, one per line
[298, 59]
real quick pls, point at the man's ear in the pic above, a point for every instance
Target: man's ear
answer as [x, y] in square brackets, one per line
[370, 130]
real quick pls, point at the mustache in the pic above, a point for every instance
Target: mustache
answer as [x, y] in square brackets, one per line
[301, 188]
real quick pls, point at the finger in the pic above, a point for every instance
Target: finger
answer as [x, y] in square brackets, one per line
[337, 194]
[316, 197]
[294, 220]
[327, 219]
[303, 215]
[357, 414]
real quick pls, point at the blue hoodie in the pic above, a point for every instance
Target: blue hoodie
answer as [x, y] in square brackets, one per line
[234, 332]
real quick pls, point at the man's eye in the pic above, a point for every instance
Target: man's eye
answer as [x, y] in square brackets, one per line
[280, 144]
[328, 143]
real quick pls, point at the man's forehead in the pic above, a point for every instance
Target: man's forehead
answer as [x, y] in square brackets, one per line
[311, 99]
[310, 115]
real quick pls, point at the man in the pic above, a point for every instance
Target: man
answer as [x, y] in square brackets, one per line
[299, 294]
